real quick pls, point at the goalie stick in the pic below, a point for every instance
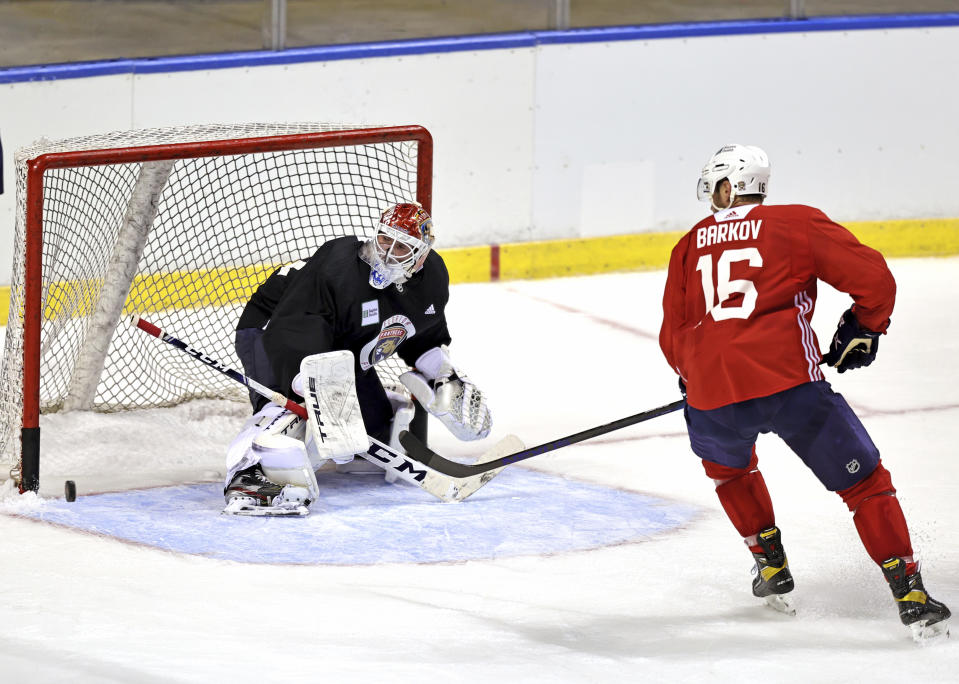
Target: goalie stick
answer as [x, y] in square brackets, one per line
[431, 459]
[449, 489]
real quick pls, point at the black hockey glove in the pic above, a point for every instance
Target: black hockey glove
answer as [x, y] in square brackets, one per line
[852, 346]
[682, 386]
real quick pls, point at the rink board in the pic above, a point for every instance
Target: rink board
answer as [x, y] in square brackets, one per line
[362, 520]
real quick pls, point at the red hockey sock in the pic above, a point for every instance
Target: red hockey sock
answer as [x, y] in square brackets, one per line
[879, 518]
[743, 495]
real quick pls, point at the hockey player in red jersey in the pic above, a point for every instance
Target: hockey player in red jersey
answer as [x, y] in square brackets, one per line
[739, 297]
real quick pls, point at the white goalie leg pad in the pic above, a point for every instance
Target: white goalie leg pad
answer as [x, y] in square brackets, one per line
[319, 455]
[335, 422]
[271, 419]
[284, 461]
[456, 402]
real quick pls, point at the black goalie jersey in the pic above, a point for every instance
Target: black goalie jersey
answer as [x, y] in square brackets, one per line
[326, 303]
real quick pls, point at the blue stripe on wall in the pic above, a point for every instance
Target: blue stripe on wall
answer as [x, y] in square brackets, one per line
[500, 41]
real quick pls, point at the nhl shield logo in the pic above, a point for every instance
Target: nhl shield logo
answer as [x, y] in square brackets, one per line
[392, 333]
[853, 466]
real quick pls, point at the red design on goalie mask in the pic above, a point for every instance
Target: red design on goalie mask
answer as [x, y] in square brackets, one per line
[404, 236]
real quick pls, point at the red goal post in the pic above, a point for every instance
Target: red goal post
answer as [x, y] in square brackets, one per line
[182, 223]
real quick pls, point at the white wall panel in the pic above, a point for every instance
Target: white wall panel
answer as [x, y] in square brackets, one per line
[585, 139]
[860, 123]
[52, 109]
[477, 105]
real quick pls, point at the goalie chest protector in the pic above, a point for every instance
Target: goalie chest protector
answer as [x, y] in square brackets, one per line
[326, 303]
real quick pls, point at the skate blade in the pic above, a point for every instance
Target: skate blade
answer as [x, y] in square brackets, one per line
[780, 604]
[923, 633]
[244, 507]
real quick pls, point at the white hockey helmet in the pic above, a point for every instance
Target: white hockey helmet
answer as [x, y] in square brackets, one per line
[400, 244]
[746, 167]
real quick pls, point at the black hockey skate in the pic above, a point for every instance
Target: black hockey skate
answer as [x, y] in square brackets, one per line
[773, 578]
[924, 615]
[250, 492]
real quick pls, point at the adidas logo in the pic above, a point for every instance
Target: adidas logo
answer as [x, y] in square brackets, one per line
[430, 310]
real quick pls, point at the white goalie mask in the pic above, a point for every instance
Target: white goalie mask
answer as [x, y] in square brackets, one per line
[400, 244]
[745, 166]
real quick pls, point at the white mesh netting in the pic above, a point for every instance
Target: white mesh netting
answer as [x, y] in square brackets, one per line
[222, 224]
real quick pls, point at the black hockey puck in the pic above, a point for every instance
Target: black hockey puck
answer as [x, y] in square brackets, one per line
[70, 490]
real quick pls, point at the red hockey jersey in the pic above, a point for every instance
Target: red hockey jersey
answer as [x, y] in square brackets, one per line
[741, 292]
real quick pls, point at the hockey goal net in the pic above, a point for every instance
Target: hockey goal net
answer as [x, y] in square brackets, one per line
[178, 225]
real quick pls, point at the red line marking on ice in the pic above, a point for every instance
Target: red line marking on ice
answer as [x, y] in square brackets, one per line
[596, 319]
[636, 438]
[866, 412]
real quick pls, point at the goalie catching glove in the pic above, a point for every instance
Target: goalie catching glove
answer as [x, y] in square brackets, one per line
[852, 346]
[449, 395]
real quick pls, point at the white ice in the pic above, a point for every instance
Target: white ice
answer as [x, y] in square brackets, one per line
[555, 357]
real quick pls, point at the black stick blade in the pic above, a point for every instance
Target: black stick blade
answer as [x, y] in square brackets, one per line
[415, 449]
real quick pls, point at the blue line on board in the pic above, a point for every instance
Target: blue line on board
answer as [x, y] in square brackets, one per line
[500, 41]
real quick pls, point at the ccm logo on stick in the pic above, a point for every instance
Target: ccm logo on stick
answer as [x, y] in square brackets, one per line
[398, 462]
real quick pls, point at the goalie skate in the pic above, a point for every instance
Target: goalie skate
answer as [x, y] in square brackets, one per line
[247, 506]
[251, 493]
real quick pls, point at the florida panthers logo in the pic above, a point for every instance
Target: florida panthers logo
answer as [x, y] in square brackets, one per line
[392, 333]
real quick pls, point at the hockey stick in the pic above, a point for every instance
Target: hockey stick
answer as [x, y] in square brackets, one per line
[410, 470]
[431, 459]
[262, 390]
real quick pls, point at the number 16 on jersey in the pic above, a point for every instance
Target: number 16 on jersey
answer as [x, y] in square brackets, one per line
[723, 288]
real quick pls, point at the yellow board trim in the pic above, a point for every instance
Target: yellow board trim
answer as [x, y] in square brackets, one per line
[912, 238]
[516, 261]
[586, 256]
[179, 289]
[467, 264]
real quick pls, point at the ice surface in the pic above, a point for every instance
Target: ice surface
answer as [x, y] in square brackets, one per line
[555, 357]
